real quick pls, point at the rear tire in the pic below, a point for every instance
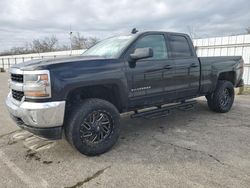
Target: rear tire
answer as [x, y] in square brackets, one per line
[221, 100]
[93, 126]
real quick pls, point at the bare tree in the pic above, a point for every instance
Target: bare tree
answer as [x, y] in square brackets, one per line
[17, 50]
[78, 42]
[64, 47]
[48, 44]
[191, 32]
[92, 41]
[248, 30]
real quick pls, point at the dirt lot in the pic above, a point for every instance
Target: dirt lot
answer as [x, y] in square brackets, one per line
[197, 148]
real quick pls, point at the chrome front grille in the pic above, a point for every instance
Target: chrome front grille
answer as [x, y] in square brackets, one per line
[17, 78]
[18, 95]
[16, 84]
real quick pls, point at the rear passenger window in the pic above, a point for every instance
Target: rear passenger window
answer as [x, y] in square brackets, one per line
[180, 47]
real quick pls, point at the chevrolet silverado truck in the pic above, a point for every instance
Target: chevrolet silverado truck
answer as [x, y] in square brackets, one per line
[82, 97]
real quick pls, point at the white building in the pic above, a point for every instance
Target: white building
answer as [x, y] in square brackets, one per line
[227, 46]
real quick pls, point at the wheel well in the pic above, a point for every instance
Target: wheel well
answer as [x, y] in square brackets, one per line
[106, 92]
[229, 76]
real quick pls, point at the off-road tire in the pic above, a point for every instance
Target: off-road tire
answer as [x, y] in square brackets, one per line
[221, 100]
[75, 123]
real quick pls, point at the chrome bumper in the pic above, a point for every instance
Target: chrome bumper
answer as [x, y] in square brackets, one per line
[40, 115]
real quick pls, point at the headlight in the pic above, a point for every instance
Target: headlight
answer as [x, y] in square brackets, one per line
[37, 84]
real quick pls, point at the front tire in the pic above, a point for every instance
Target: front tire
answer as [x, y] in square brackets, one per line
[93, 126]
[221, 100]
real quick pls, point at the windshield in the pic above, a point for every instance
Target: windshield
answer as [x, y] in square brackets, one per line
[110, 48]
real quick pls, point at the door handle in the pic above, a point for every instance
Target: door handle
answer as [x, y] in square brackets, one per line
[168, 67]
[193, 65]
[152, 70]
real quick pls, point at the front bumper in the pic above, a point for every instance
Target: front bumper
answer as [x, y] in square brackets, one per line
[43, 119]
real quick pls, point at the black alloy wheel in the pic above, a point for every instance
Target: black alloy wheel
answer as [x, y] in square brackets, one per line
[96, 127]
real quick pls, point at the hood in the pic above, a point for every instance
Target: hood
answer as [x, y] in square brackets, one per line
[38, 64]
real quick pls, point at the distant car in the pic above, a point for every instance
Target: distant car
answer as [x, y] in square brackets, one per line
[84, 96]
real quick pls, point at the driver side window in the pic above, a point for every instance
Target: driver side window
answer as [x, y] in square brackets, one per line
[156, 42]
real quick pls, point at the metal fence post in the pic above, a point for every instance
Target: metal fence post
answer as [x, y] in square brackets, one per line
[3, 63]
[248, 73]
[8, 63]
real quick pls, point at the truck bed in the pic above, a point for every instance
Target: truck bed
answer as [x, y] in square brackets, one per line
[211, 67]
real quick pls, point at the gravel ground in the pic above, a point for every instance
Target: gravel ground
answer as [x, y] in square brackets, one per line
[196, 148]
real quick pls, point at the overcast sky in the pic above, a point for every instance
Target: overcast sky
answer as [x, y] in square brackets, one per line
[24, 20]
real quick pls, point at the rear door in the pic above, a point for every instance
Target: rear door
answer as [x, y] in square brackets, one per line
[187, 66]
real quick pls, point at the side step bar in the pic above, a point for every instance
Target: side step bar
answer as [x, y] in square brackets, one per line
[163, 111]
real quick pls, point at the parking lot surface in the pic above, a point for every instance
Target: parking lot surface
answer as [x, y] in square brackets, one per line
[196, 148]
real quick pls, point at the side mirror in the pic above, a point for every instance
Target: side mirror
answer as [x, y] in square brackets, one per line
[141, 53]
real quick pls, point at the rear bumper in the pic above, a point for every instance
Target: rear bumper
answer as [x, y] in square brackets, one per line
[240, 83]
[43, 119]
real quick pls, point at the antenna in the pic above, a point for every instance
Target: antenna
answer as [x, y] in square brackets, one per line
[134, 31]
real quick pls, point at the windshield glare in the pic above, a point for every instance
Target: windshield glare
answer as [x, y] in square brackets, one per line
[109, 48]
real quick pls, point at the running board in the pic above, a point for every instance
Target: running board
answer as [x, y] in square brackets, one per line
[163, 111]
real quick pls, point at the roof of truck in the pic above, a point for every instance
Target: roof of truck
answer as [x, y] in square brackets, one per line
[167, 32]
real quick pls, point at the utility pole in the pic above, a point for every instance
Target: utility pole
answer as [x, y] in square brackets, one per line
[70, 38]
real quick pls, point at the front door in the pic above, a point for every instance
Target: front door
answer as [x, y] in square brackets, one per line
[151, 78]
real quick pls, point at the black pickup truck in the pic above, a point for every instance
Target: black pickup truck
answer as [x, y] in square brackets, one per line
[83, 96]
